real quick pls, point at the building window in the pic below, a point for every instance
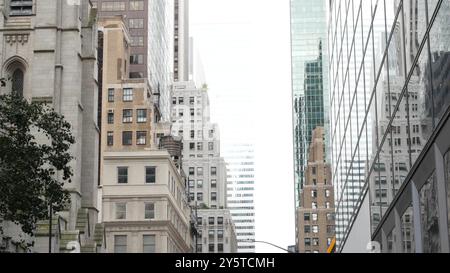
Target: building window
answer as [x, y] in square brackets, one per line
[181, 100]
[111, 95]
[192, 112]
[315, 217]
[219, 247]
[110, 117]
[136, 75]
[307, 217]
[200, 171]
[141, 138]
[121, 211]
[191, 196]
[192, 146]
[191, 171]
[127, 138]
[199, 146]
[136, 23]
[314, 171]
[149, 243]
[220, 220]
[329, 241]
[200, 184]
[21, 7]
[110, 138]
[137, 41]
[330, 229]
[113, 6]
[128, 94]
[120, 244]
[327, 193]
[314, 205]
[213, 171]
[214, 196]
[122, 175]
[174, 101]
[315, 241]
[199, 221]
[307, 242]
[330, 216]
[211, 146]
[137, 59]
[211, 220]
[136, 5]
[213, 184]
[127, 116]
[150, 175]
[315, 229]
[327, 205]
[149, 211]
[192, 100]
[314, 194]
[192, 134]
[200, 197]
[307, 229]
[199, 248]
[142, 115]
[211, 248]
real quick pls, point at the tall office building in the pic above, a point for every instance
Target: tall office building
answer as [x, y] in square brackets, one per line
[181, 41]
[151, 28]
[240, 159]
[49, 51]
[393, 124]
[309, 78]
[316, 212]
[205, 168]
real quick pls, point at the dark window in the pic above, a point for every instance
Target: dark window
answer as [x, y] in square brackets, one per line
[307, 217]
[191, 100]
[213, 171]
[150, 175]
[137, 59]
[122, 175]
[110, 117]
[17, 81]
[211, 247]
[211, 220]
[214, 196]
[220, 220]
[110, 138]
[127, 138]
[220, 247]
[21, 7]
[136, 75]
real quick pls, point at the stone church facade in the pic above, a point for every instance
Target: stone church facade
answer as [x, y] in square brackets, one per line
[49, 53]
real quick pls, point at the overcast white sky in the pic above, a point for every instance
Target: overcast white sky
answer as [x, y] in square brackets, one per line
[245, 49]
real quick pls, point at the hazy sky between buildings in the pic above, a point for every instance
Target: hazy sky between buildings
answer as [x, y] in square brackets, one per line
[245, 49]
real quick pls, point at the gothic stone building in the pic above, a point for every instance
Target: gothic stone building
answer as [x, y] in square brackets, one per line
[48, 53]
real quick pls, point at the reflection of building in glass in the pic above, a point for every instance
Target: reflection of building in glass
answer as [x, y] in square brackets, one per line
[399, 101]
[308, 30]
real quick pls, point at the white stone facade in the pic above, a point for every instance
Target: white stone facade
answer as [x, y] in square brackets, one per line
[136, 209]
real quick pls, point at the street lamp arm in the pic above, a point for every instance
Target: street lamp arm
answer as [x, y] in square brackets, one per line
[267, 243]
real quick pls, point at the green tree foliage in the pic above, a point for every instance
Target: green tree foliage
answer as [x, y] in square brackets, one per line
[29, 169]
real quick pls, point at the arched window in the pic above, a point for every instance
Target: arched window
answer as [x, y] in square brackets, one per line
[17, 81]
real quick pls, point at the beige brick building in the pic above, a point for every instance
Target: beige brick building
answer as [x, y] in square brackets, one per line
[143, 194]
[316, 218]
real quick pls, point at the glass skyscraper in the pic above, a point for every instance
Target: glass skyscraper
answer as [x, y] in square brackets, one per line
[389, 121]
[309, 78]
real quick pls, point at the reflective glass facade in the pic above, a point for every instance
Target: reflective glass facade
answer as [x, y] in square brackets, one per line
[389, 101]
[309, 78]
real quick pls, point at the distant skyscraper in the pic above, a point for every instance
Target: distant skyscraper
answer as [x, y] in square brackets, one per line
[204, 167]
[181, 41]
[240, 159]
[309, 78]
